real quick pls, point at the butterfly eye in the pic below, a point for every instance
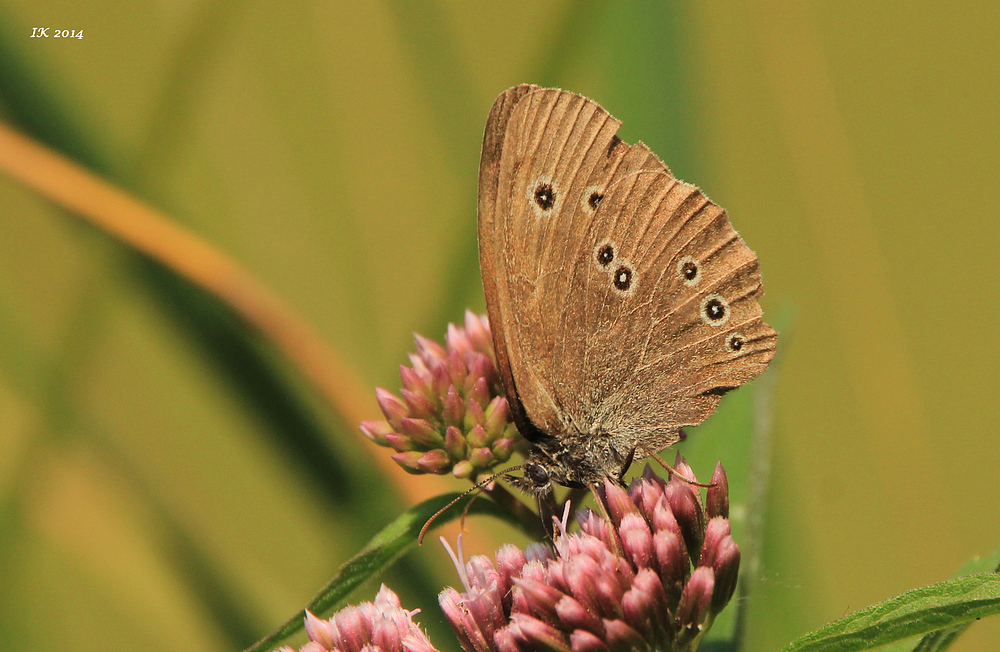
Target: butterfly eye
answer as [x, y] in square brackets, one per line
[735, 342]
[537, 474]
[545, 196]
[623, 278]
[714, 310]
[688, 270]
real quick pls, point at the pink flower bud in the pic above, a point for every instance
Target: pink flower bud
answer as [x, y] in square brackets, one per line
[727, 570]
[474, 415]
[419, 406]
[688, 513]
[637, 540]
[413, 382]
[693, 607]
[478, 331]
[479, 390]
[673, 562]
[435, 461]
[454, 408]
[618, 501]
[432, 352]
[541, 598]
[482, 458]
[497, 416]
[409, 461]
[400, 442]
[392, 407]
[376, 431]
[717, 528]
[536, 634]
[422, 432]
[464, 470]
[717, 502]
[454, 443]
[502, 448]
[584, 641]
[622, 637]
[320, 631]
[456, 341]
[456, 367]
[477, 437]
[574, 615]
[442, 381]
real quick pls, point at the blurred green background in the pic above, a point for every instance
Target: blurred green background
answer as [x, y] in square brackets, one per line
[159, 483]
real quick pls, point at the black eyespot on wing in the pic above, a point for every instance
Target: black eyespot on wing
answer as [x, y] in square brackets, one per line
[545, 196]
[689, 270]
[735, 342]
[595, 200]
[623, 278]
[605, 255]
[715, 310]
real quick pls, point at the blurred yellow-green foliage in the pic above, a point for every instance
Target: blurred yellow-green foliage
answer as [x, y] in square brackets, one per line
[167, 481]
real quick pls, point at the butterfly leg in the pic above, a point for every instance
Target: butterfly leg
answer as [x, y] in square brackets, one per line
[615, 541]
[627, 463]
[546, 511]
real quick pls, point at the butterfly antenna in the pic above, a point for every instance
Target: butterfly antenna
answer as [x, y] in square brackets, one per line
[680, 476]
[477, 486]
[468, 505]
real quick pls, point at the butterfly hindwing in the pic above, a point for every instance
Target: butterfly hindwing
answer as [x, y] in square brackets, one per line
[667, 318]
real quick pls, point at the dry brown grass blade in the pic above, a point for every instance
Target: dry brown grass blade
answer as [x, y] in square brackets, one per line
[142, 227]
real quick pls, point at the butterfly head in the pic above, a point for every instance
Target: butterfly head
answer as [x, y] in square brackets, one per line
[546, 468]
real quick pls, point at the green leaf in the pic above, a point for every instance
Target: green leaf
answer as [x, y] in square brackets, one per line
[943, 638]
[920, 611]
[988, 564]
[384, 548]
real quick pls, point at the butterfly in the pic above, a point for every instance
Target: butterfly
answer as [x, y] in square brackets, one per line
[622, 302]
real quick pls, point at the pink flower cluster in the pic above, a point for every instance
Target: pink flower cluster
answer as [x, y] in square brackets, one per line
[452, 417]
[677, 570]
[380, 626]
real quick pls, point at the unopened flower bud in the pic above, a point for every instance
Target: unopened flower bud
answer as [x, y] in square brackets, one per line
[693, 607]
[717, 528]
[688, 513]
[421, 432]
[393, 408]
[717, 500]
[377, 431]
[727, 570]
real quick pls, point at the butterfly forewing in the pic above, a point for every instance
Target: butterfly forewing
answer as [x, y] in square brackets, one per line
[621, 300]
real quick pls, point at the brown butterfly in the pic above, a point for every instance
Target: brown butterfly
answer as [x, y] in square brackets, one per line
[623, 305]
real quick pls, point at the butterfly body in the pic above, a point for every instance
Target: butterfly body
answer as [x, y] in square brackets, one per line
[622, 302]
